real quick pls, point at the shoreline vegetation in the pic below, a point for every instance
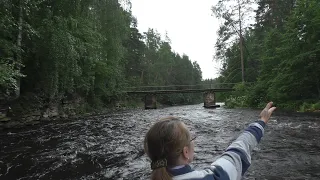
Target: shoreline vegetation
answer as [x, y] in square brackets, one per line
[276, 58]
[18, 116]
[38, 118]
[81, 110]
[237, 102]
[240, 98]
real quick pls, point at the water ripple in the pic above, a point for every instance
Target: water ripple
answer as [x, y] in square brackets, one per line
[110, 146]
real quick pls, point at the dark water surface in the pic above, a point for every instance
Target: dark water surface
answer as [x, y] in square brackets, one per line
[110, 146]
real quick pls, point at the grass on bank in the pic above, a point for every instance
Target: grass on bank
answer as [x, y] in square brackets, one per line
[243, 97]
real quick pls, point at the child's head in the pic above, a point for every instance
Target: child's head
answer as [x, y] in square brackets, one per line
[168, 143]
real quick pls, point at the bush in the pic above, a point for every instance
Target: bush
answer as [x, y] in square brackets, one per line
[239, 97]
[309, 107]
[316, 106]
[233, 102]
[257, 95]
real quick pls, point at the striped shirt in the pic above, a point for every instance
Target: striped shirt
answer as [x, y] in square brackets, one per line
[232, 164]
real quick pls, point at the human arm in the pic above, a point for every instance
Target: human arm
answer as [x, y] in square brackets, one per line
[235, 161]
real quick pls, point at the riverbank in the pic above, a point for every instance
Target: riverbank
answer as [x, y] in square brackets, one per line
[293, 106]
[27, 113]
[247, 96]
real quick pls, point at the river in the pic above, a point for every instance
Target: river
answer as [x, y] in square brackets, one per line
[110, 146]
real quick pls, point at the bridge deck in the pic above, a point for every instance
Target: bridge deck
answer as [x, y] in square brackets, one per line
[180, 91]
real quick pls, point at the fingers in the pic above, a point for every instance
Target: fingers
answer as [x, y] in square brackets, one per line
[269, 105]
[267, 111]
[272, 109]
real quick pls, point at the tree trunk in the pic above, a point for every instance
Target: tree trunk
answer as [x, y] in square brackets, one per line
[19, 42]
[241, 43]
[141, 77]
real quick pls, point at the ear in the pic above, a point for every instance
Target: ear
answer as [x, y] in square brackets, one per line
[185, 152]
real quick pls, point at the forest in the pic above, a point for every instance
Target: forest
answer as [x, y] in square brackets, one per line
[83, 54]
[55, 52]
[280, 51]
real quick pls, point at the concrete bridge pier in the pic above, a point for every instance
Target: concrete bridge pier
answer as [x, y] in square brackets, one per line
[150, 101]
[209, 100]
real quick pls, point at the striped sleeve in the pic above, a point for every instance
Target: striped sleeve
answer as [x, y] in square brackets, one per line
[236, 160]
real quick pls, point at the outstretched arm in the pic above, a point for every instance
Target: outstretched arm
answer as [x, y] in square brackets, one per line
[235, 161]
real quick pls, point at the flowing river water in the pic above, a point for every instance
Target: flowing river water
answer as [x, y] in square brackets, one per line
[110, 146]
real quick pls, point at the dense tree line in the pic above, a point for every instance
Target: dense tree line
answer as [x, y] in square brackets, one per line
[57, 49]
[281, 51]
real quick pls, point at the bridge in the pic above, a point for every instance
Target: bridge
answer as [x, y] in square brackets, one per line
[208, 91]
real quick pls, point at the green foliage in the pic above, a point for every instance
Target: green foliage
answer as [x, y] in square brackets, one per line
[8, 79]
[155, 64]
[316, 106]
[57, 49]
[239, 97]
[237, 101]
[282, 54]
[310, 107]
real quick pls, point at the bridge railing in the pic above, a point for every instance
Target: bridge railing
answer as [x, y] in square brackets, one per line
[181, 87]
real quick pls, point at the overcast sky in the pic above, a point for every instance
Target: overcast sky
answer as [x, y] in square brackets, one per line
[190, 26]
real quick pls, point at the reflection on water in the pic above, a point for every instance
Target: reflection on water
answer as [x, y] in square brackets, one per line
[110, 146]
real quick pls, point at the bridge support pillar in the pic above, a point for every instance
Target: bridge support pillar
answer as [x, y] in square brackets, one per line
[150, 101]
[209, 100]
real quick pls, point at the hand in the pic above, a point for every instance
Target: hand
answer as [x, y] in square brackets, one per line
[266, 112]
